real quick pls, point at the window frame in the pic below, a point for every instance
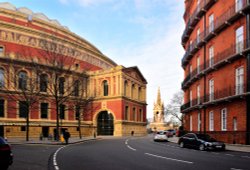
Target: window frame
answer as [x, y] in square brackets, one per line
[2, 108]
[224, 119]
[105, 88]
[211, 121]
[22, 80]
[2, 77]
[43, 110]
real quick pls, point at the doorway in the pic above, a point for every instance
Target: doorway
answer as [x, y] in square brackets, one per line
[2, 131]
[105, 123]
[45, 131]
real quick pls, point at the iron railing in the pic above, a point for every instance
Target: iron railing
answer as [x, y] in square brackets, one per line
[218, 95]
[195, 17]
[221, 22]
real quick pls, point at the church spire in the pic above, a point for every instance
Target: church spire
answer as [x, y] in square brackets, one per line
[158, 101]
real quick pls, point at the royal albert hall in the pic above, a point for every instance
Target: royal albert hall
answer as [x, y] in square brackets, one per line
[52, 79]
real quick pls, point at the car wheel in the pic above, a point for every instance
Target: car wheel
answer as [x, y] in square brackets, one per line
[182, 145]
[202, 147]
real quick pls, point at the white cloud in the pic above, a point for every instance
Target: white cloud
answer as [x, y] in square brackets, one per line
[64, 1]
[159, 59]
[93, 2]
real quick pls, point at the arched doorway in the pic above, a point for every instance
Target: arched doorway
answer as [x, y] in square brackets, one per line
[105, 123]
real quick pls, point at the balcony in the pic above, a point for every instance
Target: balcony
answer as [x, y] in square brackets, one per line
[226, 94]
[195, 17]
[193, 76]
[226, 19]
[193, 48]
[221, 22]
[233, 52]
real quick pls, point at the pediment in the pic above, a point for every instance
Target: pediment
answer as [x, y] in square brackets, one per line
[135, 73]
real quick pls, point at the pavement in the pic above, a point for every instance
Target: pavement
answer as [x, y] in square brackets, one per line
[232, 147]
[46, 141]
[73, 140]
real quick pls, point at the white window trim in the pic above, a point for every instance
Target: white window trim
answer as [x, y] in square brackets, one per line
[211, 89]
[224, 122]
[239, 39]
[239, 80]
[199, 122]
[211, 121]
[191, 123]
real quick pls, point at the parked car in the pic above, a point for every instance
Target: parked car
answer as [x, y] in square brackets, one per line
[6, 156]
[161, 136]
[200, 141]
[172, 131]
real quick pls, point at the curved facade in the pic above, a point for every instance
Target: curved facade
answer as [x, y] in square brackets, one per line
[216, 69]
[50, 78]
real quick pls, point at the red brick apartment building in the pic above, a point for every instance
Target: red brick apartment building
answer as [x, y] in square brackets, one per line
[52, 79]
[217, 69]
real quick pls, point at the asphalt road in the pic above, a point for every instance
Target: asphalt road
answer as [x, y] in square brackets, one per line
[145, 154]
[125, 154]
[32, 157]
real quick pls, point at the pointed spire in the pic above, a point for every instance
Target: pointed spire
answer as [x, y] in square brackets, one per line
[158, 96]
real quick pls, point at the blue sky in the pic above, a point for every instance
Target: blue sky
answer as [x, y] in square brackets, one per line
[143, 33]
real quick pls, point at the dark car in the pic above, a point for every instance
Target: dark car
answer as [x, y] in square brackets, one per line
[6, 156]
[200, 141]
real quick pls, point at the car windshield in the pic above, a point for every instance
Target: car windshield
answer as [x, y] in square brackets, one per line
[204, 137]
[161, 133]
[2, 141]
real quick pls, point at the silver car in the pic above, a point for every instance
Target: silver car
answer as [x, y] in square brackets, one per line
[161, 136]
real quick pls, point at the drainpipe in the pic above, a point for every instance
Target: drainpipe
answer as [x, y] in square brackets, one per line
[205, 76]
[248, 79]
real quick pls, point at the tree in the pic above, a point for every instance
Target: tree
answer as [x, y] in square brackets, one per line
[81, 100]
[173, 108]
[64, 70]
[22, 87]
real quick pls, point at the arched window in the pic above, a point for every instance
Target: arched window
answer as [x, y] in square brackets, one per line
[22, 80]
[61, 85]
[125, 87]
[76, 88]
[43, 82]
[105, 88]
[132, 91]
[1, 78]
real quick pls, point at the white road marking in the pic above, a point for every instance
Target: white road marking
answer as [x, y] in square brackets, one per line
[215, 153]
[126, 142]
[245, 156]
[235, 169]
[229, 154]
[131, 148]
[54, 157]
[172, 159]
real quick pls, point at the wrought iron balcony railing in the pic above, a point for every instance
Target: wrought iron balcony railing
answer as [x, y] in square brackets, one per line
[195, 17]
[233, 52]
[231, 15]
[226, 94]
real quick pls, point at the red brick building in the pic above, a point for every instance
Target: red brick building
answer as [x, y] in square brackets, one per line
[217, 69]
[48, 73]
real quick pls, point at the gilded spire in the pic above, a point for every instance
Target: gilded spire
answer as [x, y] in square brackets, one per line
[158, 96]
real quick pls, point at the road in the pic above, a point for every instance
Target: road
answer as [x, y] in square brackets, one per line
[143, 153]
[126, 154]
[32, 157]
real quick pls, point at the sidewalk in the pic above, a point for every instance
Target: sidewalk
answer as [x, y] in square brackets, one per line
[232, 147]
[45, 141]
